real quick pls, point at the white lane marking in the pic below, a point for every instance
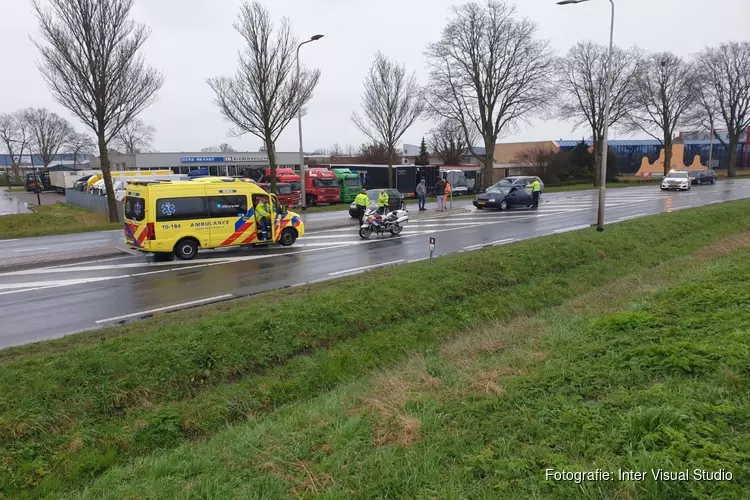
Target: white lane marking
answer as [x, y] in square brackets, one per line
[166, 308]
[36, 284]
[490, 244]
[151, 272]
[573, 228]
[61, 269]
[628, 217]
[30, 249]
[20, 291]
[366, 267]
[8, 241]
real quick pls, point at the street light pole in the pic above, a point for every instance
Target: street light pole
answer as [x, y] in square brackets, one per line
[299, 123]
[605, 149]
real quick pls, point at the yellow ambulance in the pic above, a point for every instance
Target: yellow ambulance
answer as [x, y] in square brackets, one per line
[182, 216]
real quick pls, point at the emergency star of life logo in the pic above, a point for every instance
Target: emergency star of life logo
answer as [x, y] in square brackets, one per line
[168, 208]
[138, 208]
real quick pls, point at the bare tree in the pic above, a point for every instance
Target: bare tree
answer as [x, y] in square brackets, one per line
[725, 85]
[135, 137]
[537, 160]
[15, 138]
[377, 154]
[91, 63]
[581, 89]
[487, 73]
[391, 103]
[350, 150]
[80, 144]
[448, 142]
[49, 132]
[335, 151]
[265, 94]
[665, 92]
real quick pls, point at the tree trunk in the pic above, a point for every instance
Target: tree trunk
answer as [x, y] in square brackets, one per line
[106, 173]
[667, 155]
[489, 162]
[390, 172]
[272, 163]
[7, 174]
[732, 167]
[487, 165]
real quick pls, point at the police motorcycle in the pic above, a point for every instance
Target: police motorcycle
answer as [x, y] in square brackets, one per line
[391, 222]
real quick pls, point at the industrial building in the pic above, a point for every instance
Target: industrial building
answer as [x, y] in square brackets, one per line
[218, 164]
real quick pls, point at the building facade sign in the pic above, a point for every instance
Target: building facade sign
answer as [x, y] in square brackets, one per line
[201, 159]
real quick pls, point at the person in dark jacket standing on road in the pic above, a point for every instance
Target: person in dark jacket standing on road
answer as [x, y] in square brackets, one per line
[440, 194]
[422, 194]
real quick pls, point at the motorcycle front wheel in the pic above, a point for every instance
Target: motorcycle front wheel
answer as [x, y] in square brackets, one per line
[396, 229]
[365, 232]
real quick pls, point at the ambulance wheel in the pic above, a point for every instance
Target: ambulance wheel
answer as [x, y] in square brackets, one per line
[288, 237]
[186, 249]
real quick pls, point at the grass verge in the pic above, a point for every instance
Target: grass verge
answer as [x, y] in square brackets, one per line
[645, 373]
[75, 408]
[58, 218]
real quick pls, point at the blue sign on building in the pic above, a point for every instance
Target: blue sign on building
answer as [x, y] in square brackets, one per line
[198, 172]
[201, 159]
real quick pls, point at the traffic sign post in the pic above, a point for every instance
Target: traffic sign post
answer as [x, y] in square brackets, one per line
[432, 247]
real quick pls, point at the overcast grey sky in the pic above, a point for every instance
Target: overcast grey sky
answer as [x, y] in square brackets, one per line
[194, 39]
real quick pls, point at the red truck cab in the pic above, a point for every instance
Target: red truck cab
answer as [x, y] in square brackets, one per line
[321, 186]
[284, 192]
[288, 176]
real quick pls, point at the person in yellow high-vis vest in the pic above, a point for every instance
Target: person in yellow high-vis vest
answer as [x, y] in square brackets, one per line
[263, 218]
[535, 190]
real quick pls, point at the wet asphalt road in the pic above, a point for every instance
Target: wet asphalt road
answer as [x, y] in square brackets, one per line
[37, 304]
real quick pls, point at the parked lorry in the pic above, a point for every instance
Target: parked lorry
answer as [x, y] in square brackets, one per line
[404, 177]
[62, 180]
[350, 184]
[463, 178]
[321, 186]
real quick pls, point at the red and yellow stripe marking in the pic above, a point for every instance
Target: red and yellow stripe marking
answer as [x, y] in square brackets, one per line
[131, 230]
[250, 224]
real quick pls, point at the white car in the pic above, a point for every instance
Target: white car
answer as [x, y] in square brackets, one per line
[676, 180]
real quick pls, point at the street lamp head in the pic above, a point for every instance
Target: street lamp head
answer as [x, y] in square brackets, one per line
[315, 38]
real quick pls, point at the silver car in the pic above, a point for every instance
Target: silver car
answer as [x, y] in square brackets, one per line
[519, 180]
